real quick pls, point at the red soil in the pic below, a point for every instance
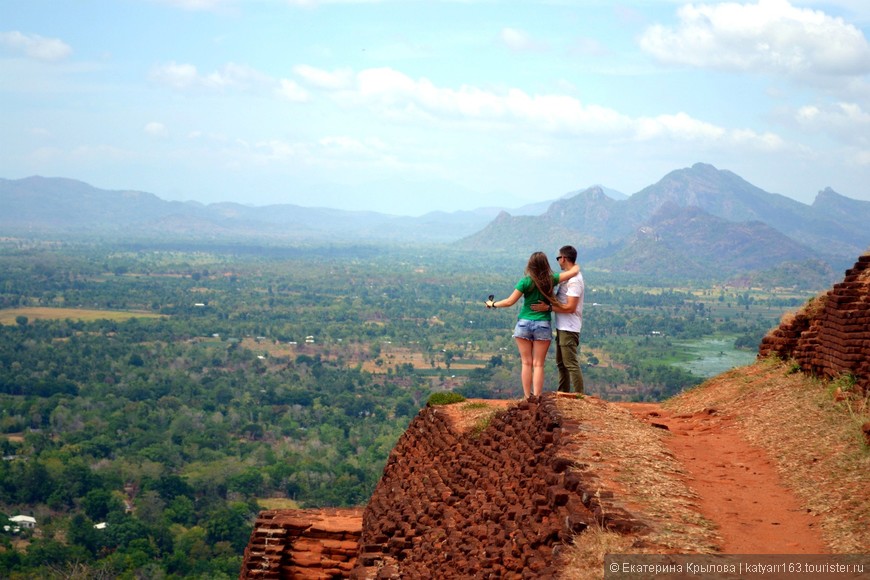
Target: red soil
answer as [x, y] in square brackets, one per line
[740, 490]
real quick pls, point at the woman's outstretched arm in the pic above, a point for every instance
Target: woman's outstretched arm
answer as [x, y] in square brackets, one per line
[509, 301]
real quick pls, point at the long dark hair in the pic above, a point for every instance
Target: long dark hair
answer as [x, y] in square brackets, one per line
[538, 269]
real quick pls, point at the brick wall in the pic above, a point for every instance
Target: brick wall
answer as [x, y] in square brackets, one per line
[831, 335]
[494, 504]
[304, 544]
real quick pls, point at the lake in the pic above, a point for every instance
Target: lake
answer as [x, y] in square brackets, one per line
[712, 356]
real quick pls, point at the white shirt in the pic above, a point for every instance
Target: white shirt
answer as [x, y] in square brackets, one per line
[574, 320]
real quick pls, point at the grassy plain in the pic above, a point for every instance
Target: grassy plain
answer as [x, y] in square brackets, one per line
[277, 503]
[10, 315]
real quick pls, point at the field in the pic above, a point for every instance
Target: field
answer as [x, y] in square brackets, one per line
[390, 359]
[9, 316]
[277, 503]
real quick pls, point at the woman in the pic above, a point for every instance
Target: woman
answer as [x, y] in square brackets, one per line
[532, 332]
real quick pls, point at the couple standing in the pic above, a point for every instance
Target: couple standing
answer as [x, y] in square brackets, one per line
[541, 296]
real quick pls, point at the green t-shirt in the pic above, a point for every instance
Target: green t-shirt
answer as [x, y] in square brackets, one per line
[532, 295]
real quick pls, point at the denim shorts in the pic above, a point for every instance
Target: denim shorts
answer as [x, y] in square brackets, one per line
[533, 329]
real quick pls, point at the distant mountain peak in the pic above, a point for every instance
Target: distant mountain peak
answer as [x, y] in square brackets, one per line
[828, 192]
[700, 166]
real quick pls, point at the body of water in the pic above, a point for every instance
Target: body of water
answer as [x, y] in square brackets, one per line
[713, 356]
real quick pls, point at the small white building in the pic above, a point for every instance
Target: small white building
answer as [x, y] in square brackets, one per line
[26, 522]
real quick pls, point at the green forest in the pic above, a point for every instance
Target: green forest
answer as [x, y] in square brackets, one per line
[154, 398]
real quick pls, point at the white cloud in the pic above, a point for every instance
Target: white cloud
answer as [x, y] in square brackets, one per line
[807, 114]
[854, 113]
[331, 151]
[282, 151]
[398, 96]
[231, 76]
[680, 126]
[762, 142]
[35, 46]
[838, 114]
[177, 76]
[238, 76]
[395, 91]
[519, 40]
[156, 129]
[849, 123]
[291, 91]
[319, 78]
[770, 36]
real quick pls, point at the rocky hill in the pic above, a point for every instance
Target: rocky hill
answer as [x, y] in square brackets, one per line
[683, 220]
[762, 459]
[689, 242]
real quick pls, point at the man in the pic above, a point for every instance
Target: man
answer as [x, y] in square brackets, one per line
[569, 319]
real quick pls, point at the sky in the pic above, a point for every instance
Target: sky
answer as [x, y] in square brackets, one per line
[410, 106]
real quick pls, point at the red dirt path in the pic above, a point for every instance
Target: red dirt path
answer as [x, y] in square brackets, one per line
[739, 488]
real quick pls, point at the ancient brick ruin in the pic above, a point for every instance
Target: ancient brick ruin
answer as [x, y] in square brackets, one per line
[304, 544]
[830, 336]
[488, 505]
[495, 502]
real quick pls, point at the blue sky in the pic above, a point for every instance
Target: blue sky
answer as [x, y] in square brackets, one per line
[411, 106]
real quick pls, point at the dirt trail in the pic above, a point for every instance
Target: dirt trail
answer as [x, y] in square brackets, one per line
[739, 488]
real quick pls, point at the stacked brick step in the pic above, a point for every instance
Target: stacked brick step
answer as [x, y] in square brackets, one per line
[304, 544]
[483, 504]
[834, 339]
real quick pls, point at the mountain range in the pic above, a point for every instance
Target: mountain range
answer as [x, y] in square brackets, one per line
[699, 222]
[695, 222]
